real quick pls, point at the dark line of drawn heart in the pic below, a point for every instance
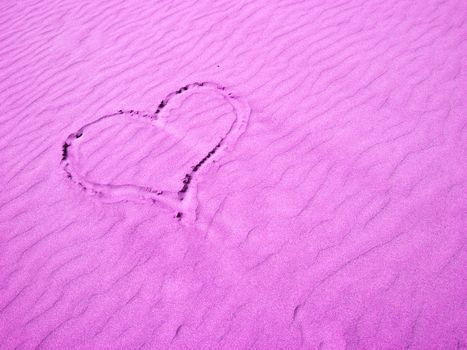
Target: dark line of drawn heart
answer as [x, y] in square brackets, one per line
[134, 192]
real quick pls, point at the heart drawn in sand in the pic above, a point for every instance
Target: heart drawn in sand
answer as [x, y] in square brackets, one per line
[157, 157]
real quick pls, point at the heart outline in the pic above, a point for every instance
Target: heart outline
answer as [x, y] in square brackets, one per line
[182, 201]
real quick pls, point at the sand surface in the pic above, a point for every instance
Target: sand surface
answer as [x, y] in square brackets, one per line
[233, 174]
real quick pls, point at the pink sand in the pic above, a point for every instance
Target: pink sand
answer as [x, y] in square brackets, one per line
[233, 175]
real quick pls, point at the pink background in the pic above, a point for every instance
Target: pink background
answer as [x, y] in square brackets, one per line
[336, 219]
